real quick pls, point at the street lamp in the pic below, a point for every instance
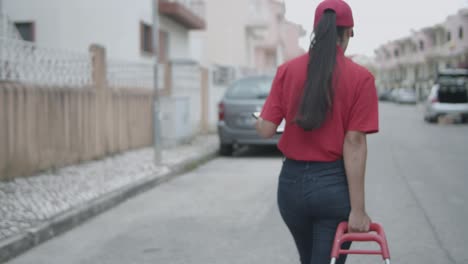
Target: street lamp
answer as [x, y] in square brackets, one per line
[156, 104]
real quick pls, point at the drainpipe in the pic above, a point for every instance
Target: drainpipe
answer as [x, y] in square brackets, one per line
[156, 102]
[2, 21]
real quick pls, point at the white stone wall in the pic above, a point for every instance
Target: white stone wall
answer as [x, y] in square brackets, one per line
[186, 82]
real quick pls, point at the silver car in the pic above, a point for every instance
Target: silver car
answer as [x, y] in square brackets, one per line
[449, 96]
[236, 125]
[406, 96]
[440, 103]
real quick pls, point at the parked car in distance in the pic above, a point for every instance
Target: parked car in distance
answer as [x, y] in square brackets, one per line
[236, 124]
[405, 96]
[394, 94]
[385, 95]
[449, 96]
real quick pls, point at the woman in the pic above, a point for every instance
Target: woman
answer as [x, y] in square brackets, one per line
[329, 104]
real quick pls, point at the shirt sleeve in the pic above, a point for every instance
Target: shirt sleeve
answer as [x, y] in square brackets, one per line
[364, 114]
[273, 109]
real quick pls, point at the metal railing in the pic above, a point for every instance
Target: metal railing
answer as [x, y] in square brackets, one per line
[125, 74]
[25, 62]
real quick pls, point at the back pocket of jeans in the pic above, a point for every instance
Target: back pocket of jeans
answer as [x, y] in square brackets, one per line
[288, 176]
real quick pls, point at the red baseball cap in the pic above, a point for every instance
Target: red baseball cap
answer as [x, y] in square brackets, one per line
[344, 14]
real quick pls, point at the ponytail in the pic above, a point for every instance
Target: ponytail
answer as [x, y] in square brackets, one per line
[317, 97]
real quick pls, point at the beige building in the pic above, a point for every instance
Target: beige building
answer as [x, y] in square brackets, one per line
[248, 34]
[413, 61]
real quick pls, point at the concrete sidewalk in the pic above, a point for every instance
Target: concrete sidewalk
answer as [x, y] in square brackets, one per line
[37, 208]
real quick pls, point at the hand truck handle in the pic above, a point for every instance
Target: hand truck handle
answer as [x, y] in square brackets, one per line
[379, 237]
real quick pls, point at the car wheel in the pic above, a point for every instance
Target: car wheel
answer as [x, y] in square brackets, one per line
[226, 149]
[464, 119]
[430, 119]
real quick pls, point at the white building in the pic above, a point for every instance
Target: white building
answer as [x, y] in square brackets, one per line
[59, 30]
[123, 27]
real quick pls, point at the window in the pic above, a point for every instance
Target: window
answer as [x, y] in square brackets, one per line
[270, 58]
[421, 45]
[279, 17]
[396, 53]
[223, 75]
[26, 30]
[449, 36]
[146, 39]
[460, 33]
[435, 40]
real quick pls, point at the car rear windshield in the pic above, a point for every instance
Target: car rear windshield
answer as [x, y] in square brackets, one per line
[453, 94]
[453, 89]
[250, 88]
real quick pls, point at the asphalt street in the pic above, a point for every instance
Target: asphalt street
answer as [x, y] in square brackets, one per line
[225, 211]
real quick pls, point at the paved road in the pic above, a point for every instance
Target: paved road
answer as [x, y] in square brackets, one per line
[225, 211]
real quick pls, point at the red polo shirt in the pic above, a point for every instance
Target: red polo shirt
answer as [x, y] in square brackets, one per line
[355, 108]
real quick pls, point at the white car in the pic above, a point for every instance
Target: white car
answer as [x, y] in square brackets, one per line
[449, 100]
[405, 96]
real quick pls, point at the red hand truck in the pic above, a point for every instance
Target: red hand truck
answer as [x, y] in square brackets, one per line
[376, 234]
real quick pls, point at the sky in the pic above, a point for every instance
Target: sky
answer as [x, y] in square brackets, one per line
[378, 21]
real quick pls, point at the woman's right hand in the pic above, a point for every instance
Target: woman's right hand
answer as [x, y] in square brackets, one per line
[358, 222]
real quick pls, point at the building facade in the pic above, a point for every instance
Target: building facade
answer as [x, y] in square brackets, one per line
[413, 61]
[123, 26]
[249, 34]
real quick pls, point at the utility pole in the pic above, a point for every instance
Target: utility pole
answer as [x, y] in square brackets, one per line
[2, 20]
[156, 103]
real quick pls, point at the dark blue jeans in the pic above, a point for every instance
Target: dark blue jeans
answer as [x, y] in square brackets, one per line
[313, 198]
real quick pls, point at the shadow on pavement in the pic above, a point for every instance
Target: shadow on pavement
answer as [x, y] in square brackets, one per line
[258, 152]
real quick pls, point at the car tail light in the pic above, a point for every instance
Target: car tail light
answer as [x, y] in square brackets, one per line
[221, 111]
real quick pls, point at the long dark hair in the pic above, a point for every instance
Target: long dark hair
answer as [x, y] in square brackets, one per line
[317, 97]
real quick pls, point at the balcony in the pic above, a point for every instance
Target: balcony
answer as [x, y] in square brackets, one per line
[438, 52]
[189, 13]
[257, 22]
[257, 15]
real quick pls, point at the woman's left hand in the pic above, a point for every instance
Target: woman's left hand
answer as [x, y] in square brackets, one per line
[359, 222]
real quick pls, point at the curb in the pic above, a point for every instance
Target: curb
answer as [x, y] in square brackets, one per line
[16, 245]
